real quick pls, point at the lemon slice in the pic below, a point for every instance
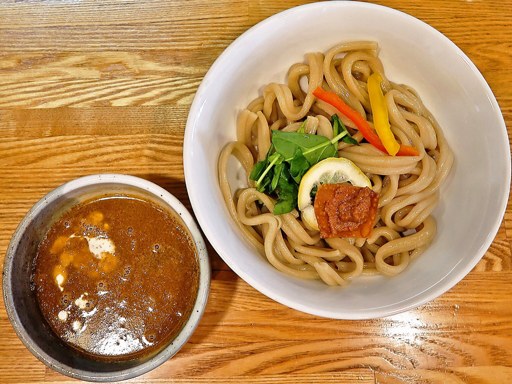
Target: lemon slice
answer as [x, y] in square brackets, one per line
[333, 170]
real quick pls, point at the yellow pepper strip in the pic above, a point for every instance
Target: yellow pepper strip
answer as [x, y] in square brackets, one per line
[380, 114]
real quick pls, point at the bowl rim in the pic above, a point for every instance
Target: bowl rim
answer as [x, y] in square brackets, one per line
[188, 327]
[200, 99]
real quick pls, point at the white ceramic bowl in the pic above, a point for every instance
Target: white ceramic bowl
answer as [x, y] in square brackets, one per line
[473, 199]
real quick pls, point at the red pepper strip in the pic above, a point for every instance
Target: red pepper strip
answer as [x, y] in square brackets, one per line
[361, 124]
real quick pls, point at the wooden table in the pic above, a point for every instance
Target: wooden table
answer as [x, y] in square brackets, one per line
[105, 86]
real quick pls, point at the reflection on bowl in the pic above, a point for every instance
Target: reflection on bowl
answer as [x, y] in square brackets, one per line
[469, 212]
[33, 289]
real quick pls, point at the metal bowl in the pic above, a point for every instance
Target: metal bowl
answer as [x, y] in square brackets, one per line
[20, 298]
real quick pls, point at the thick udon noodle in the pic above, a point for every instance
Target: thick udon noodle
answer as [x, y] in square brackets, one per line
[408, 186]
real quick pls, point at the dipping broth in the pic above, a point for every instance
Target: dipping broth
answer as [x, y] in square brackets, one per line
[116, 277]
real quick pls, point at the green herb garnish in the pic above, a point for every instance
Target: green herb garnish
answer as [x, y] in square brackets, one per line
[288, 159]
[338, 126]
[302, 128]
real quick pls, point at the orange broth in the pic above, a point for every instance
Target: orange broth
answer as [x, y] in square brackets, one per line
[116, 277]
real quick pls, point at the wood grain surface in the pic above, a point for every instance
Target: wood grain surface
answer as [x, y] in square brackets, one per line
[105, 86]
